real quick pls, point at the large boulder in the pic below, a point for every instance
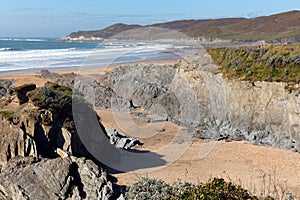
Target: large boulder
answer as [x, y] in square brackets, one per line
[60, 178]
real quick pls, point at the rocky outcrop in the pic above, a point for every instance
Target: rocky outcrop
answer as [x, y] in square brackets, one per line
[264, 113]
[193, 94]
[39, 127]
[120, 140]
[5, 85]
[14, 142]
[61, 79]
[60, 178]
[41, 153]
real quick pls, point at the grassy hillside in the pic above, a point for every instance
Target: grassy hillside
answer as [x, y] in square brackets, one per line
[276, 28]
[265, 63]
[281, 27]
[106, 32]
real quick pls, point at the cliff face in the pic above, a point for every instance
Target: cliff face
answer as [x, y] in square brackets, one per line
[261, 112]
[38, 126]
[193, 94]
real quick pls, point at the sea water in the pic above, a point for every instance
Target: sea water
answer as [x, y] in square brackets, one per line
[18, 55]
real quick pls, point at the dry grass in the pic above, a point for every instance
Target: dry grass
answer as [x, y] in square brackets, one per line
[268, 185]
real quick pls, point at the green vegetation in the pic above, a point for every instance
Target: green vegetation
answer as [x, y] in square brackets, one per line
[150, 189]
[22, 87]
[48, 98]
[265, 63]
[7, 114]
[54, 86]
[218, 188]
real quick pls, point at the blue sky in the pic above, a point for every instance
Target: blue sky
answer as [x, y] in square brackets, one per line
[55, 18]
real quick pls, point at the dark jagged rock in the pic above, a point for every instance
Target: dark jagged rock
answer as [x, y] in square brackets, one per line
[60, 178]
[120, 140]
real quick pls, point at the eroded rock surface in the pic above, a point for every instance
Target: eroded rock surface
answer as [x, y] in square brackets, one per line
[41, 153]
[60, 178]
[38, 127]
[193, 94]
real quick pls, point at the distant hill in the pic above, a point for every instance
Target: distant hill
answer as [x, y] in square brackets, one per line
[103, 33]
[282, 27]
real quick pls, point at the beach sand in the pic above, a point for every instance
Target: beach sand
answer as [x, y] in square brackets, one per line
[256, 168]
[23, 78]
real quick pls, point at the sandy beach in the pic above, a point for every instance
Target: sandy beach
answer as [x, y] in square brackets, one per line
[31, 77]
[259, 169]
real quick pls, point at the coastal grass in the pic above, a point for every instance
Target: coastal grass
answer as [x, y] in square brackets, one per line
[260, 63]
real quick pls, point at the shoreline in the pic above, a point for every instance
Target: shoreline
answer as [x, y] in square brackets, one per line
[31, 77]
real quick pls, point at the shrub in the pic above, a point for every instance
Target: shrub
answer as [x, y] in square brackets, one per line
[217, 189]
[146, 189]
[54, 86]
[47, 98]
[7, 114]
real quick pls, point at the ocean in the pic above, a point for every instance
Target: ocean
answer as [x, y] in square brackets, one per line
[18, 55]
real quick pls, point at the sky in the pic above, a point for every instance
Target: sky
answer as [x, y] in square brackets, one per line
[56, 18]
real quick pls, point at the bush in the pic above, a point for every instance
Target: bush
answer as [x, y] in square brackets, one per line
[150, 189]
[217, 189]
[64, 89]
[47, 98]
